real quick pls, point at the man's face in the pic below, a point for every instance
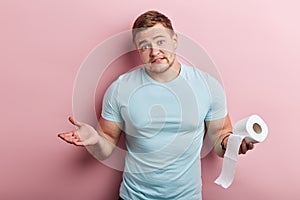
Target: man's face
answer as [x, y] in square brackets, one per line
[156, 46]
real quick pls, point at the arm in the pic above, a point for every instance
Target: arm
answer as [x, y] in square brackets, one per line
[218, 132]
[100, 143]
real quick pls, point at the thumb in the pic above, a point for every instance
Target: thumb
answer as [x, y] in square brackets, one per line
[75, 122]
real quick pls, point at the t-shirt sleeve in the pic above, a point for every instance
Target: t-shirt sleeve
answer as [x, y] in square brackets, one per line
[110, 106]
[218, 107]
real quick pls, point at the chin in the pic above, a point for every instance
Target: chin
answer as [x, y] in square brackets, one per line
[158, 68]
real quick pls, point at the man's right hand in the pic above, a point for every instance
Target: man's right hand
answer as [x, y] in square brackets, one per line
[84, 135]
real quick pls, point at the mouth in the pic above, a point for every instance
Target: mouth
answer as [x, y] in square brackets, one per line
[157, 60]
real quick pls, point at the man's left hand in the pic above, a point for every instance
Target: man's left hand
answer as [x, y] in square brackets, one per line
[246, 147]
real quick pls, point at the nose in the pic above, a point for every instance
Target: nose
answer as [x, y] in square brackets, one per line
[154, 52]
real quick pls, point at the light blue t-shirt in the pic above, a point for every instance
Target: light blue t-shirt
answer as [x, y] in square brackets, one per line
[164, 128]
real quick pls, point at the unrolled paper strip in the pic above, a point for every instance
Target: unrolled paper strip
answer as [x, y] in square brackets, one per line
[252, 129]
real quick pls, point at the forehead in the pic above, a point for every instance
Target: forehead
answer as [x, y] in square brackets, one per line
[151, 32]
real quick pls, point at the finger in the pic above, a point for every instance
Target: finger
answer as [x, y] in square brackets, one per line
[78, 142]
[69, 137]
[243, 147]
[65, 135]
[76, 137]
[250, 145]
[74, 122]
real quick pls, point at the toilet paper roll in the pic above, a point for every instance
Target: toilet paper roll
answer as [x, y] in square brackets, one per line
[252, 129]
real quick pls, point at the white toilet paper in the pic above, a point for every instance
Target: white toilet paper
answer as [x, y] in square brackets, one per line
[252, 129]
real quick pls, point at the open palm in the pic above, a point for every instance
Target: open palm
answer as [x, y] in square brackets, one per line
[84, 135]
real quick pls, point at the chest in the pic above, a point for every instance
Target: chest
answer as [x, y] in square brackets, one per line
[149, 109]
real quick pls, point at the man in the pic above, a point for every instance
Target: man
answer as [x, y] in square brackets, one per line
[164, 109]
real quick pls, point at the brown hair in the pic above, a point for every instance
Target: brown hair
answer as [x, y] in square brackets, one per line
[149, 19]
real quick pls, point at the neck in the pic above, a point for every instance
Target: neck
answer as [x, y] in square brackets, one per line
[170, 74]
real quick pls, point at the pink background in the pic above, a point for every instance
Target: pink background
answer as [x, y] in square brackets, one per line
[255, 45]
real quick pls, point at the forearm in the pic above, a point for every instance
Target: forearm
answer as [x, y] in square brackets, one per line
[108, 136]
[221, 143]
[102, 149]
[218, 131]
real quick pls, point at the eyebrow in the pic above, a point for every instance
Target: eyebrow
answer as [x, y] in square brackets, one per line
[159, 36]
[141, 42]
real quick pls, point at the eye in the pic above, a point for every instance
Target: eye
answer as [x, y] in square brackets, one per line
[160, 42]
[145, 47]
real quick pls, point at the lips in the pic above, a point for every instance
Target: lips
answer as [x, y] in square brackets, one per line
[157, 60]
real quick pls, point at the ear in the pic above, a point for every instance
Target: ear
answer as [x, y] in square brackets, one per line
[175, 40]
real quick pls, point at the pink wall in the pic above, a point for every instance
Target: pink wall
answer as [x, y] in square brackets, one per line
[255, 45]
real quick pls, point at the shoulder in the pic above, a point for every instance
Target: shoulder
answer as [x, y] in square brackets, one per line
[200, 78]
[191, 72]
[131, 75]
[126, 80]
